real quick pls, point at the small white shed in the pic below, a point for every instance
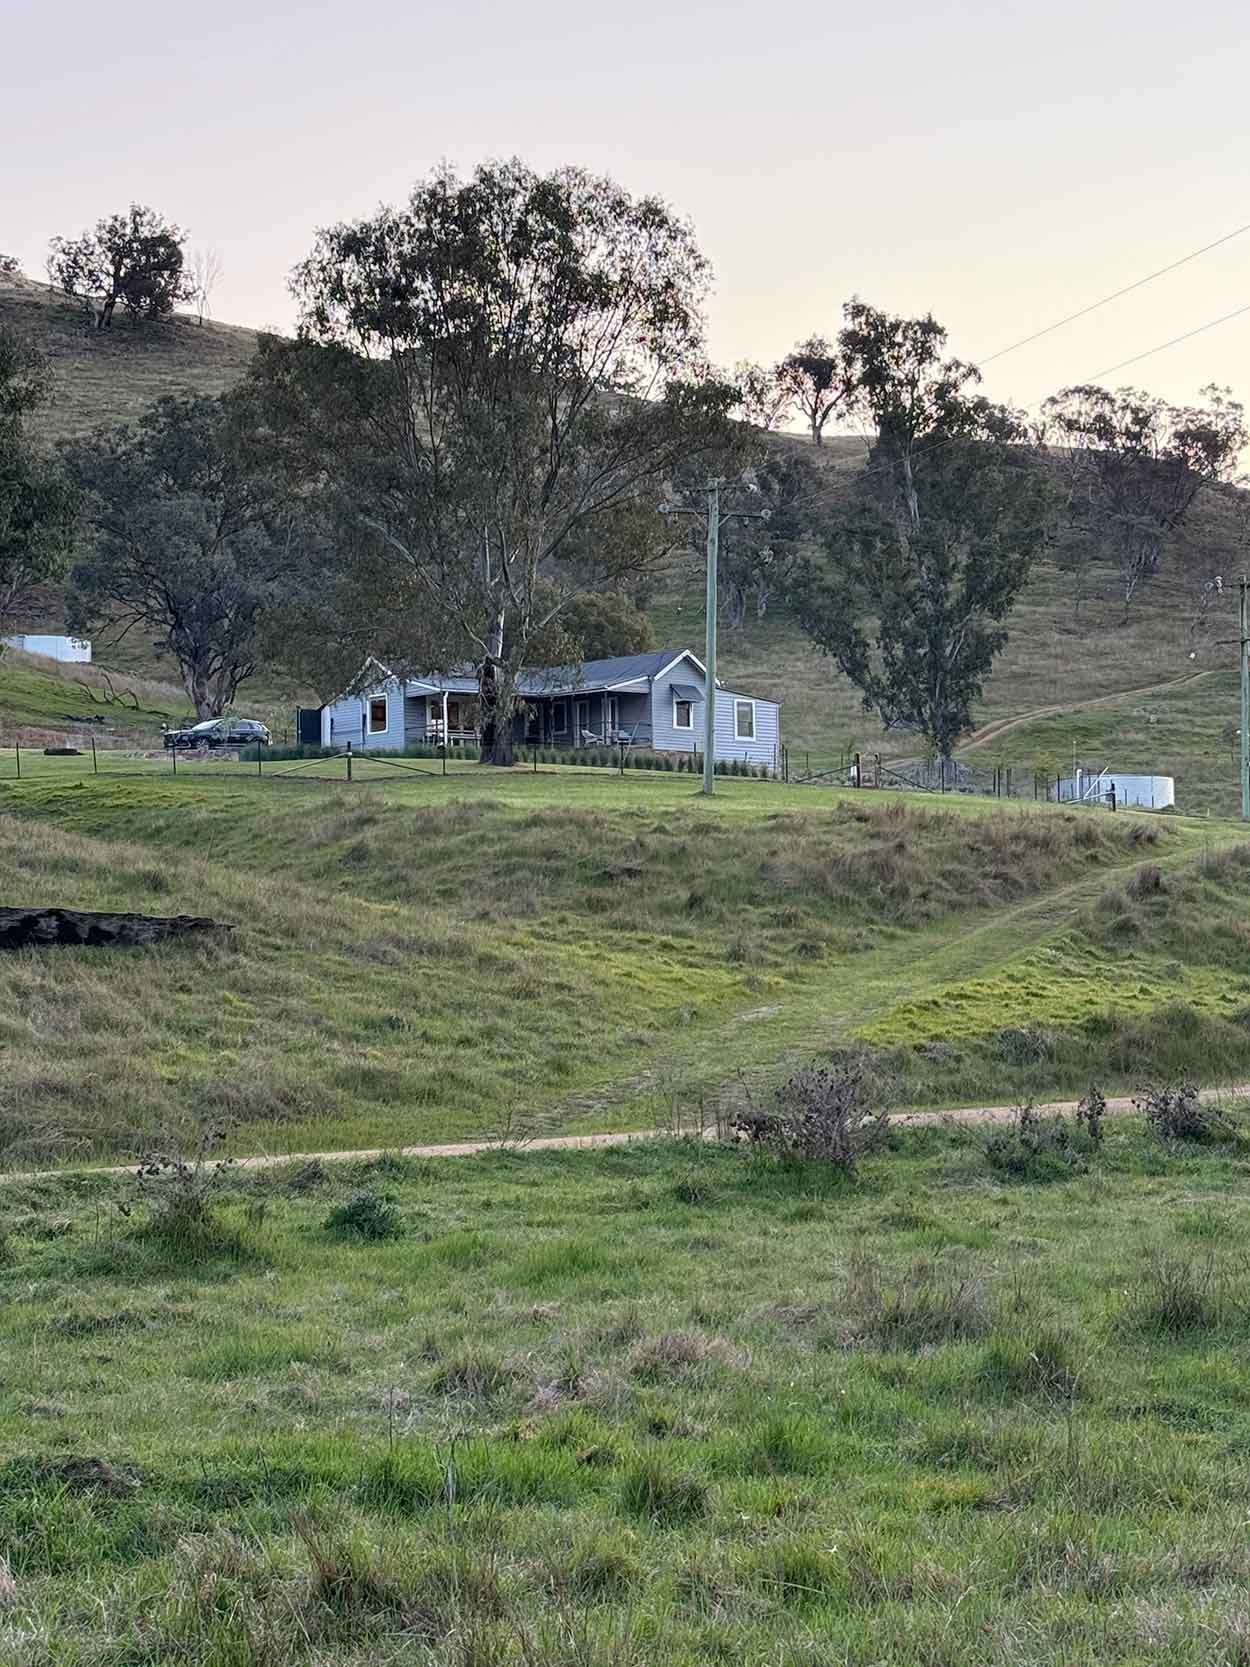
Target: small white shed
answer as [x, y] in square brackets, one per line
[72, 649]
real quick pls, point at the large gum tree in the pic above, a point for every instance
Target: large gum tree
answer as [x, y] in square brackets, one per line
[490, 388]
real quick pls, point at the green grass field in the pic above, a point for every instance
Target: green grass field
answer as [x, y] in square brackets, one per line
[670, 1402]
[419, 958]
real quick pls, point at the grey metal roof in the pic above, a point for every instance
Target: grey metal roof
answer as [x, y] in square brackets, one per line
[562, 680]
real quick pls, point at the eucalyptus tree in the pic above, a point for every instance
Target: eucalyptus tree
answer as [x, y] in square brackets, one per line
[491, 387]
[929, 548]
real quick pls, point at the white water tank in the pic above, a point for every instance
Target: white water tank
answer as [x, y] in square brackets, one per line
[72, 649]
[1148, 792]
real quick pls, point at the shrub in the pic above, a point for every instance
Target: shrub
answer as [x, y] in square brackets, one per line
[365, 1215]
[1090, 1113]
[178, 1192]
[1177, 1113]
[822, 1116]
[1023, 1044]
[1036, 1148]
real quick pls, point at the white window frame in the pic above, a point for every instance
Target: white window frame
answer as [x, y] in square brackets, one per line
[679, 700]
[378, 729]
[559, 717]
[581, 719]
[739, 703]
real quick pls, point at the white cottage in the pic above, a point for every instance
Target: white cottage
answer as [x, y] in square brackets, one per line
[654, 701]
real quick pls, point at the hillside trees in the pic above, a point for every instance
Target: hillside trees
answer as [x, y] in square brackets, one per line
[37, 501]
[813, 377]
[1134, 466]
[184, 539]
[493, 383]
[758, 554]
[135, 258]
[934, 541]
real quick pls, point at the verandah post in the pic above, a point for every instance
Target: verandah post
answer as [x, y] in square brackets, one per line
[349, 761]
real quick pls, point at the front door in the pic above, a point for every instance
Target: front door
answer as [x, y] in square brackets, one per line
[581, 721]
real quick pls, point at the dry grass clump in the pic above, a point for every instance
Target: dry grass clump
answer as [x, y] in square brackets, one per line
[679, 1353]
[928, 1303]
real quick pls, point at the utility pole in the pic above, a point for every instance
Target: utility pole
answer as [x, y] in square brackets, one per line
[709, 645]
[714, 519]
[1245, 708]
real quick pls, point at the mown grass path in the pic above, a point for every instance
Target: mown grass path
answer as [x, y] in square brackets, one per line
[732, 1057]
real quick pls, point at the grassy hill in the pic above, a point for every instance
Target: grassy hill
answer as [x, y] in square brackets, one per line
[425, 958]
[112, 376]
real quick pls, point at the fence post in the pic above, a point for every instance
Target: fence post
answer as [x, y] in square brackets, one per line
[443, 750]
[1009, 781]
[349, 761]
[859, 778]
[621, 744]
[1113, 795]
[17, 753]
[95, 768]
[1058, 790]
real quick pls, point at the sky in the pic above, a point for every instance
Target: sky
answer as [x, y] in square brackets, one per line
[998, 164]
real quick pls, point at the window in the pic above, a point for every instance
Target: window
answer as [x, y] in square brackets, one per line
[744, 720]
[683, 713]
[581, 717]
[377, 714]
[559, 717]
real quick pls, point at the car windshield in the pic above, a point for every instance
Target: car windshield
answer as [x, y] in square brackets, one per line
[202, 729]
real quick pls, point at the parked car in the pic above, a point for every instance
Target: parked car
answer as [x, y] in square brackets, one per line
[219, 732]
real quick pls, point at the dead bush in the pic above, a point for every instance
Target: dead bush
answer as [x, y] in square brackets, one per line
[823, 1116]
[1032, 1147]
[1177, 1112]
[1090, 1112]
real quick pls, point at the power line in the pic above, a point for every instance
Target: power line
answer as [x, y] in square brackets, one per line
[1138, 283]
[936, 445]
[1210, 325]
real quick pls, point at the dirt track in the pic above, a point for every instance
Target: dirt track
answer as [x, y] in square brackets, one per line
[1002, 726]
[577, 1142]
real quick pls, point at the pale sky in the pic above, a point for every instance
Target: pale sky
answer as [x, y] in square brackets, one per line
[997, 163]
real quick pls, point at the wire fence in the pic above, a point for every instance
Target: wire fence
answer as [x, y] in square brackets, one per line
[348, 765]
[869, 770]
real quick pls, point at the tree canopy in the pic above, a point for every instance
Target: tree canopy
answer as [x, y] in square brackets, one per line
[135, 258]
[813, 377]
[37, 502]
[185, 539]
[492, 385]
[932, 545]
[1135, 464]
